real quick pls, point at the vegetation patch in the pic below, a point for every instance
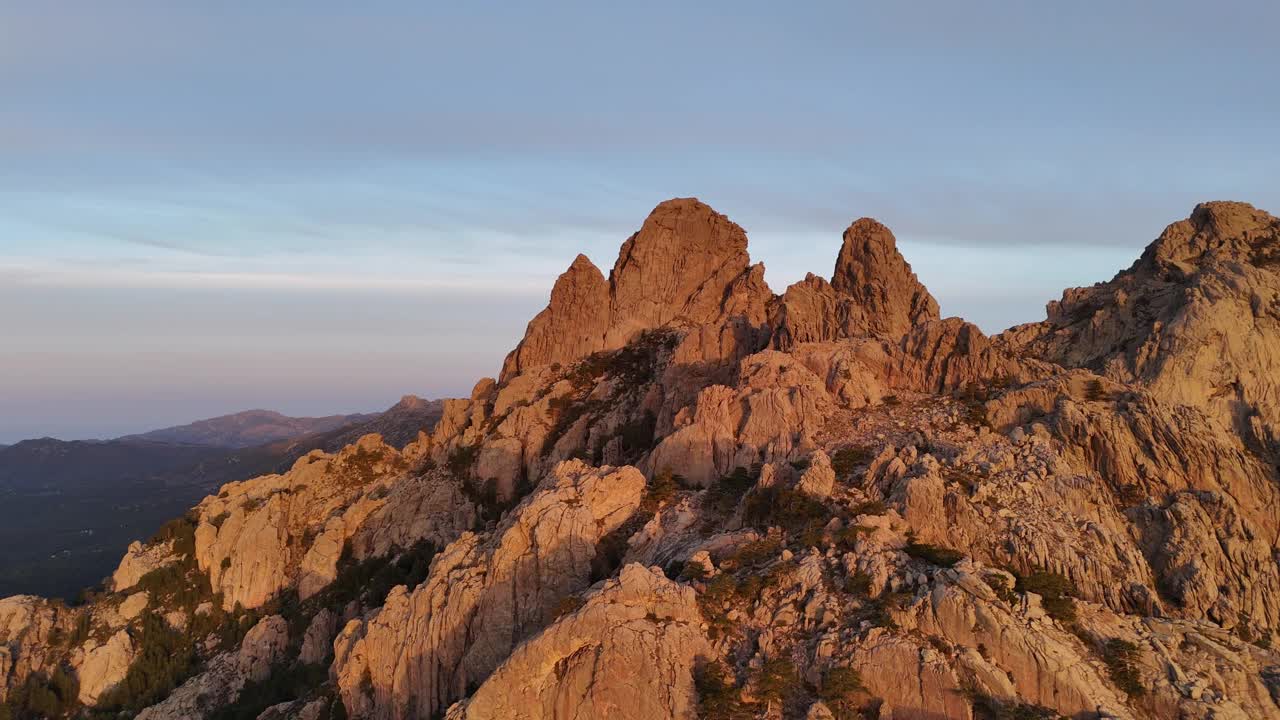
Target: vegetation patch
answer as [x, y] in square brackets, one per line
[846, 460]
[778, 682]
[802, 517]
[659, 491]
[288, 681]
[844, 694]
[370, 580]
[1119, 656]
[986, 707]
[723, 496]
[848, 536]
[934, 554]
[872, 507]
[462, 459]
[1056, 592]
[718, 695]
[754, 553]
[42, 696]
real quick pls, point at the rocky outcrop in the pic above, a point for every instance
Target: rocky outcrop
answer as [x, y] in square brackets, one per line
[774, 414]
[260, 537]
[1194, 320]
[425, 647]
[874, 274]
[572, 326]
[104, 666]
[27, 624]
[873, 292]
[139, 560]
[686, 267]
[627, 653]
[882, 514]
[220, 684]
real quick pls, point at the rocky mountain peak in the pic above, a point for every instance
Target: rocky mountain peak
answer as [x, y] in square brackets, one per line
[1235, 230]
[680, 269]
[871, 270]
[676, 268]
[823, 504]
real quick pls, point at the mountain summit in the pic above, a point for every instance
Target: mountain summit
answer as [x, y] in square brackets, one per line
[686, 496]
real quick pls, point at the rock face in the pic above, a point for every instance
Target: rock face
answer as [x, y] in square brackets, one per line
[484, 595]
[227, 674]
[628, 653]
[1194, 320]
[873, 292]
[257, 538]
[687, 496]
[138, 561]
[874, 274]
[572, 326]
[686, 267]
[774, 414]
[104, 666]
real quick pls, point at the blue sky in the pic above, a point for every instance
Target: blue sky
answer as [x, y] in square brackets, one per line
[317, 207]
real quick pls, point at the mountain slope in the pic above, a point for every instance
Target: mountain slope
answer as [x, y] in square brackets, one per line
[247, 429]
[69, 508]
[1195, 320]
[688, 496]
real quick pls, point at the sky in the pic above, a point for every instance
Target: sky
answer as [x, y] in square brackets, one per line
[317, 207]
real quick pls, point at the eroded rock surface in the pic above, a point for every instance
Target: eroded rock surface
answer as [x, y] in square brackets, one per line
[424, 648]
[628, 653]
[683, 489]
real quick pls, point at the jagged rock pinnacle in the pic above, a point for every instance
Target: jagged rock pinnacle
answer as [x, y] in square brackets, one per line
[872, 271]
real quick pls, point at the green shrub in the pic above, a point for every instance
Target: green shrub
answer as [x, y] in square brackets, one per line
[842, 690]
[1119, 656]
[165, 658]
[1002, 587]
[778, 681]
[871, 507]
[718, 593]
[1056, 593]
[370, 580]
[286, 682]
[802, 517]
[846, 460]
[723, 496]
[934, 554]
[660, 490]
[756, 552]
[986, 707]
[718, 695]
[182, 532]
[848, 536]
[859, 583]
[693, 571]
[462, 459]
[84, 625]
[43, 696]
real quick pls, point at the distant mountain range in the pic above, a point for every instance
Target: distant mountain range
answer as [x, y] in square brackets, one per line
[249, 428]
[69, 508]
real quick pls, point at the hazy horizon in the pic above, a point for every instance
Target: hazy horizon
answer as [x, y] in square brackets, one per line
[318, 211]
